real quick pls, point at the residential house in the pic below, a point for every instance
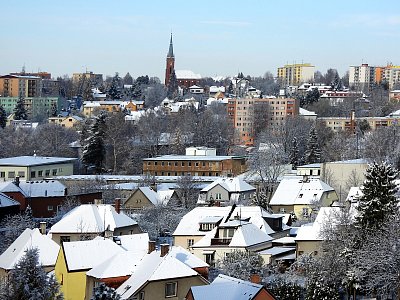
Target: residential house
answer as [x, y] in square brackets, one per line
[91, 220]
[75, 259]
[8, 206]
[200, 221]
[230, 288]
[300, 195]
[226, 191]
[68, 121]
[35, 167]
[162, 274]
[198, 161]
[142, 197]
[30, 238]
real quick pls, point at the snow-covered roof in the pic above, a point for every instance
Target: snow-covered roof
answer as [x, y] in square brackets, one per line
[84, 255]
[153, 267]
[191, 158]
[189, 224]
[44, 188]
[6, 201]
[354, 194]
[216, 89]
[91, 218]
[135, 242]
[231, 184]
[304, 112]
[30, 238]
[186, 74]
[228, 288]
[29, 161]
[293, 190]
[150, 194]
[350, 161]
[276, 250]
[9, 186]
[248, 235]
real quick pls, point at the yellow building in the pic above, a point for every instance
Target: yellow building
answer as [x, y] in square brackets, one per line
[68, 122]
[75, 259]
[35, 167]
[295, 74]
[20, 86]
[91, 108]
[94, 78]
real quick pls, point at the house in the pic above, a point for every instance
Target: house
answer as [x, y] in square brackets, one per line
[162, 274]
[229, 288]
[226, 191]
[30, 238]
[198, 161]
[8, 206]
[75, 259]
[68, 121]
[35, 167]
[310, 236]
[228, 236]
[200, 221]
[142, 197]
[91, 220]
[300, 194]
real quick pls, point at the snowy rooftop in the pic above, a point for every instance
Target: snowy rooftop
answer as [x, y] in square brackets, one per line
[189, 224]
[30, 238]
[6, 201]
[153, 267]
[91, 218]
[231, 184]
[9, 186]
[292, 190]
[276, 250]
[186, 74]
[84, 255]
[304, 112]
[351, 161]
[29, 161]
[228, 288]
[191, 158]
[44, 188]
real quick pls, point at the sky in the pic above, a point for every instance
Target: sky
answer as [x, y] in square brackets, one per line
[211, 38]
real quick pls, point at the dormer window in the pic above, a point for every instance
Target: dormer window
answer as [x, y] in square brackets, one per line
[300, 195]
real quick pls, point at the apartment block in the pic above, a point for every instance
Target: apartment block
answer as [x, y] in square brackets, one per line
[94, 78]
[20, 86]
[296, 74]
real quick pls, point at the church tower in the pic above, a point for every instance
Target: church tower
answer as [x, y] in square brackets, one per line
[170, 62]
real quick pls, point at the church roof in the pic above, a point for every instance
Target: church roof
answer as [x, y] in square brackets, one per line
[171, 48]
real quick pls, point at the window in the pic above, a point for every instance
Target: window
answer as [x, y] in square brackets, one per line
[305, 212]
[218, 196]
[170, 289]
[141, 296]
[2, 174]
[65, 238]
[11, 174]
[21, 174]
[40, 173]
[33, 174]
[60, 170]
[190, 243]
[50, 207]
[301, 253]
[189, 164]
[300, 195]
[47, 173]
[54, 172]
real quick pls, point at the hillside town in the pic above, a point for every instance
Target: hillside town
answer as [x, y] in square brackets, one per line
[282, 186]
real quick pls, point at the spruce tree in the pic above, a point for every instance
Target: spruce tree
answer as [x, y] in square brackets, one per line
[313, 151]
[20, 111]
[103, 292]
[3, 117]
[114, 91]
[378, 201]
[28, 280]
[294, 154]
[94, 149]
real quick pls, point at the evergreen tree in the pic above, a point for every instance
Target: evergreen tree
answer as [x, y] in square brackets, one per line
[135, 91]
[103, 292]
[94, 148]
[230, 88]
[378, 201]
[53, 111]
[3, 117]
[294, 154]
[128, 79]
[311, 97]
[317, 288]
[313, 151]
[20, 111]
[114, 91]
[28, 280]
[172, 91]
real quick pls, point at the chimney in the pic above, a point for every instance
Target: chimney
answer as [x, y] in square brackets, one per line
[17, 181]
[117, 205]
[42, 227]
[152, 246]
[164, 249]
[255, 278]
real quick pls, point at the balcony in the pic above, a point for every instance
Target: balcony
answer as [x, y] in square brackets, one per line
[220, 241]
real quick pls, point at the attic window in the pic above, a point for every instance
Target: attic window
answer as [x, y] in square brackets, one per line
[300, 195]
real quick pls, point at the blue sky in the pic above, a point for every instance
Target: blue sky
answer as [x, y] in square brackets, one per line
[210, 37]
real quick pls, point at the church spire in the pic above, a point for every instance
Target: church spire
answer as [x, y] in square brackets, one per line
[171, 48]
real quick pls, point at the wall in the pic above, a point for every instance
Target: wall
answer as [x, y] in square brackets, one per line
[182, 240]
[308, 247]
[137, 200]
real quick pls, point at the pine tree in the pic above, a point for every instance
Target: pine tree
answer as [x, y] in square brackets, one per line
[294, 154]
[230, 88]
[103, 292]
[128, 79]
[313, 151]
[172, 89]
[378, 201]
[94, 148]
[20, 111]
[28, 280]
[3, 117]
[114, 91]
[135, 90]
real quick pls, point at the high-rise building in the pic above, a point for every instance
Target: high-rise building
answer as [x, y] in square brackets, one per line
[96, 79]
[20, 86]
[296, 74]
